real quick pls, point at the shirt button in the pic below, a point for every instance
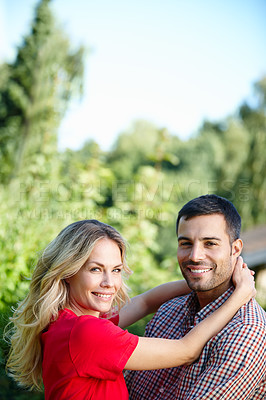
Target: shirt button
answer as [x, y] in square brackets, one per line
[161, 390]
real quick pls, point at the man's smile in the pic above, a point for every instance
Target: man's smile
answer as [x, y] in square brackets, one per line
[199, 270]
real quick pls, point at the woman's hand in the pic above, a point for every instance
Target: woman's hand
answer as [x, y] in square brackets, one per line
[243, 280]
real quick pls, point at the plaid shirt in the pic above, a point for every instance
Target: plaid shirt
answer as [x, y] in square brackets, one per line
[231, 366]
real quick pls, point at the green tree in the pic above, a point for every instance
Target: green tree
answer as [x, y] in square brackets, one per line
[142, 144]
[251, 179]
[34, 92]
[222, 148]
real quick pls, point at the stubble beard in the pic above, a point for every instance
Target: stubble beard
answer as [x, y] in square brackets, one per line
[221, 274]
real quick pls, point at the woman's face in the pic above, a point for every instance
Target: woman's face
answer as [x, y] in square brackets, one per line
[94, 287]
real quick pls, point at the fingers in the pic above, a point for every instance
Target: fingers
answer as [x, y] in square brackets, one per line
[238, 265]
[240, 261]
[250, 270]
[243, 278]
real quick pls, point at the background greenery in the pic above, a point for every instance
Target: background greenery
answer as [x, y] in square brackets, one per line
[138, 186]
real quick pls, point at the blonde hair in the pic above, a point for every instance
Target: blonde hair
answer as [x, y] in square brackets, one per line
[49, 293]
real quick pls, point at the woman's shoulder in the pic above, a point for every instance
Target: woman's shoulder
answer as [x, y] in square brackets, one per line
[90, 332]
[87, 326]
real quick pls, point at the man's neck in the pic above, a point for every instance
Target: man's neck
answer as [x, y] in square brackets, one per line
[209, 296]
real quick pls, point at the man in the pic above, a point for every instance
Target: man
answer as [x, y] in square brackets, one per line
[232, 364]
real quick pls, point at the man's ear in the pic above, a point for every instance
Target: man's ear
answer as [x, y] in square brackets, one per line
[237, 247]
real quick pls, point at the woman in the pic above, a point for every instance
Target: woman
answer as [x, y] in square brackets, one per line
[61, 337]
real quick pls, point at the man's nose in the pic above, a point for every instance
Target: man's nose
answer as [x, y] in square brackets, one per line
[197, 252]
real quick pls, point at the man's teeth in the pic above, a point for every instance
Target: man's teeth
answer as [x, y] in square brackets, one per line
[105, 296]
[199, 271]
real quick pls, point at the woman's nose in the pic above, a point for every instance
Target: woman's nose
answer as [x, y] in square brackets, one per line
[107, 280]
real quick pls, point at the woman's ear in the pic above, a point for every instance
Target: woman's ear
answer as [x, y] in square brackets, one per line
[237, 247]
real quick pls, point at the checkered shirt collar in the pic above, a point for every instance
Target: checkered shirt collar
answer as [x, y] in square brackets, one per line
[209, 308]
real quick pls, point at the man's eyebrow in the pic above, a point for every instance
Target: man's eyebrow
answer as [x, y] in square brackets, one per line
[202, 239]
[182, 238]
[211, 238]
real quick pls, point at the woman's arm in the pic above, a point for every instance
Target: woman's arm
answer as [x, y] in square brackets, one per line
[149, 302]
[153, 353]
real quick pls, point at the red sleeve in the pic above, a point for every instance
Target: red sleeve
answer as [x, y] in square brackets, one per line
[100, 349]
[114, 318]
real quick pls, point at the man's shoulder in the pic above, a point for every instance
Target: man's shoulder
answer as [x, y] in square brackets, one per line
[177, 302]
[168, 318]
[252, 314]
[175, 308]
[250, 320]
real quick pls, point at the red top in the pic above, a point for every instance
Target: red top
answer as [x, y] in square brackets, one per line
[83, 358]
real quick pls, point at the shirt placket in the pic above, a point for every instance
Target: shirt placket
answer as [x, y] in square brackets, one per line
[190, 321]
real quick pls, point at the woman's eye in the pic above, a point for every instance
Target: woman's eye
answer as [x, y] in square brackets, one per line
[95, 269]
[117, 270]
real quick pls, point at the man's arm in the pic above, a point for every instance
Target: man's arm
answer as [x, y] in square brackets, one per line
[235, 369]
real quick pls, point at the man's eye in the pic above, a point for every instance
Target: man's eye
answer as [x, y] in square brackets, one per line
[185, 244]
[210, 244]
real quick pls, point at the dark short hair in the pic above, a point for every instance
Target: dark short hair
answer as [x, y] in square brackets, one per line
[213, 204]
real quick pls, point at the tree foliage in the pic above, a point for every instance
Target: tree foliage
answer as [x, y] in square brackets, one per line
[137, 187]
[35, 90]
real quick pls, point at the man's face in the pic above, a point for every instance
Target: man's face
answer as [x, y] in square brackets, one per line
[204, 253]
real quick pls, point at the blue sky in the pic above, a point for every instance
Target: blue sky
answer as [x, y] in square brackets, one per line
[171, 62]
